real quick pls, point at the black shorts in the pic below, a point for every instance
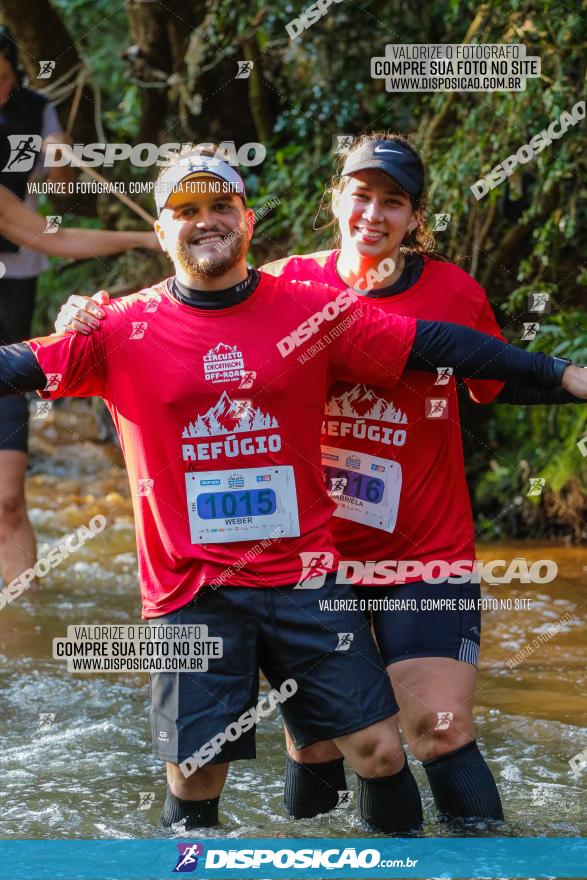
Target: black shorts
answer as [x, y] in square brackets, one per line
[342, 684]
[17, 303]
[416, 630]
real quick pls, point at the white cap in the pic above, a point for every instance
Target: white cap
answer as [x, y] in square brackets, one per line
[189, 166]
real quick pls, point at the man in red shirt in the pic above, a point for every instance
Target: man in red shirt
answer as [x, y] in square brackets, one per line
[216, 379]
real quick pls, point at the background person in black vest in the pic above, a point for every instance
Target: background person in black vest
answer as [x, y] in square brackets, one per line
[25, 116]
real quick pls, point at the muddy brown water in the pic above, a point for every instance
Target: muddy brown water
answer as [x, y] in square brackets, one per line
[81, 772]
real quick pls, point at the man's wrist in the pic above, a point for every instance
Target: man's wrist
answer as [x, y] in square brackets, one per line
[560, 365]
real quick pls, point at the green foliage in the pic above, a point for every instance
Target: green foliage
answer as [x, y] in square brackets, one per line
[101, 33]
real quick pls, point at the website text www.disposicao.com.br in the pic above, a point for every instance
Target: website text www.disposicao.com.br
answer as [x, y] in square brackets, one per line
[302, 858]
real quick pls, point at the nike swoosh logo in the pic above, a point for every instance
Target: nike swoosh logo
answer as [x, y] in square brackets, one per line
[383, 150]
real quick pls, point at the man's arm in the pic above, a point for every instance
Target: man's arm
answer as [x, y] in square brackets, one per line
[376, 348]
[56, 366]
[471, 354]
[520, 395]
[475, 355]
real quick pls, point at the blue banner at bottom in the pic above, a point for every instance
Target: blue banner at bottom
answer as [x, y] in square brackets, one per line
[289, 858]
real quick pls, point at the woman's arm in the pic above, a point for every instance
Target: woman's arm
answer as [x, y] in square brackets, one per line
[25, 227]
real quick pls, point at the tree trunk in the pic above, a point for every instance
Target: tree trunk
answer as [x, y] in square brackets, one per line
[257, 95]
[40, 33]
[161, 34]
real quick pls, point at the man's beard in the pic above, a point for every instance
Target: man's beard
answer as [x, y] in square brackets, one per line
[229, 252]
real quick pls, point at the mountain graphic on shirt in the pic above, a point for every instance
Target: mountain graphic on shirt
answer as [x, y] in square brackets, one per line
[362, 402]
[230, 417]
[222, 348]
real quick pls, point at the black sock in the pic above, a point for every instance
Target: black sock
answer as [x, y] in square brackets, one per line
[391, 803]
[310, 789]
[197, 814]
[463, 786]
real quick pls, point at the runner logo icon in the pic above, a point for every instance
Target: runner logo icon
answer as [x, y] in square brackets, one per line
[24, 149]
[53, 380]
[247, 379]
[187, 860]
[315, 567]
[244, 69]
[138, 329]
[146, 800]
[46, 68]
[436, 408]
[337, 486]
[444, 719]
[344, 641]
[345, 798]
[444, 374]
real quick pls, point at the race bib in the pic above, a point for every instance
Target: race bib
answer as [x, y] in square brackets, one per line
[366, 489]
[242, 505]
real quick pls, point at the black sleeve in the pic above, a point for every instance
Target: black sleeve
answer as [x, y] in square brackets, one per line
[19, 370]
[524, 396]
[475, 355]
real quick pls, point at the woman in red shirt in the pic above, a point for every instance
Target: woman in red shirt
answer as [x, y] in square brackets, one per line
[419, 511]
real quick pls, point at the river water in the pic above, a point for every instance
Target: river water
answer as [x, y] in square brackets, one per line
[76, 757]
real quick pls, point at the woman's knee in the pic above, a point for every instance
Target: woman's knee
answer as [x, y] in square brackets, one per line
[437, 733]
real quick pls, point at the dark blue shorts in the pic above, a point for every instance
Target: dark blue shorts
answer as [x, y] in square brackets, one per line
[14, 423]
[406, 625]
[342, 684]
